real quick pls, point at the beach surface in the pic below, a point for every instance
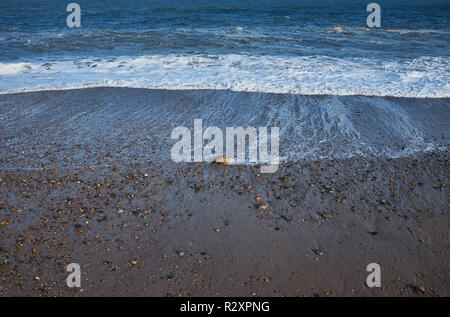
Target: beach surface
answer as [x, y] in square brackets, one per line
[86, 177]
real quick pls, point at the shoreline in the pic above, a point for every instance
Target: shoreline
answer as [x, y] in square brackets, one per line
[95, 86]
[100, 126]
[140, 224]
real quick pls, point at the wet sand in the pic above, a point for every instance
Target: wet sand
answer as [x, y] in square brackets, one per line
[146, 226]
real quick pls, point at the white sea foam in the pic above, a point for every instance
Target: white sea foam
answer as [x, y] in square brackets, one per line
[420, 31]
[14, 68]
[311, 127]
[308, 75]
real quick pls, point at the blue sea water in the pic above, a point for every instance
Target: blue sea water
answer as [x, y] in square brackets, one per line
[283, 46]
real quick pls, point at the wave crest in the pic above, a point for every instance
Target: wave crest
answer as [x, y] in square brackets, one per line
[14, 68]
[306, 75]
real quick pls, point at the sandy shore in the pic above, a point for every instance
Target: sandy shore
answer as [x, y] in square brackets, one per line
[151, 227]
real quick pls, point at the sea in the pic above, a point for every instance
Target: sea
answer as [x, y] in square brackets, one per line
[283, 46]
[335, 86]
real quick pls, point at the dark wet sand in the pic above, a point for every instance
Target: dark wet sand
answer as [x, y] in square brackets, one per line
[200, 230]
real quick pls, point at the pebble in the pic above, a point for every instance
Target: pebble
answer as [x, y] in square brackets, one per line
[317, 251]
[223, 160]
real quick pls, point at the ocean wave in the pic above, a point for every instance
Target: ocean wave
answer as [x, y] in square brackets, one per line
[419, 31]
[351, 28]
[14, 68]
[306, 75]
